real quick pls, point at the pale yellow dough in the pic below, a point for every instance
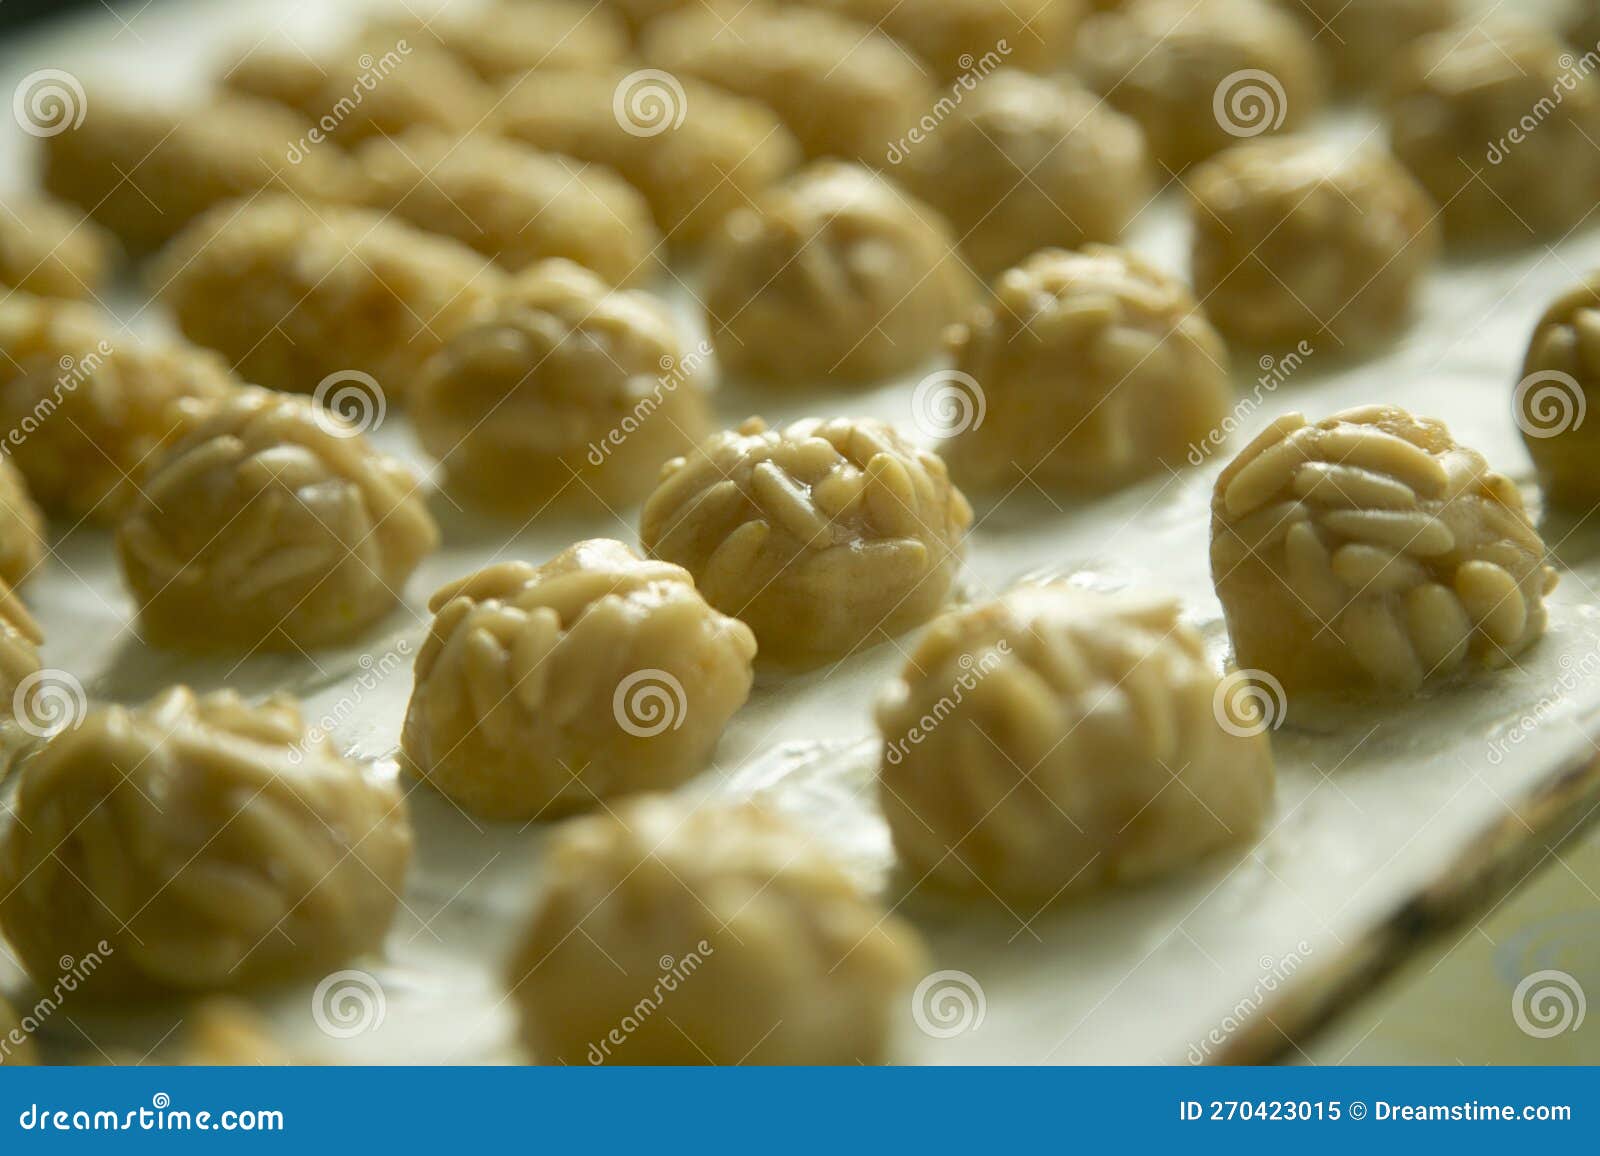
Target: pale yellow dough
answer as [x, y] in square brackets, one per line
[694, 156]
[1027, 162]
[52, 249]
[514, 204]
[22, 533]
[843, 88]
[20, 639]
[1472, 114]
[824, 536]
[965, 38]
[1557, 400]
[209, 843]
[1199, 75]
[1300, 238]
[271, 524]
[291, 295]
[1360, 39]
[718, 935]
[1086, 371]
[547, 690]
[145, 171]
[835, 274]
[502, 41]
[87, 410]
[1057, 740]
[564, 388]
[17, 1048]
[1368, 553]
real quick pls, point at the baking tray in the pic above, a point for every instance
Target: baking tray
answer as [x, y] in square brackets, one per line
[1388, 824]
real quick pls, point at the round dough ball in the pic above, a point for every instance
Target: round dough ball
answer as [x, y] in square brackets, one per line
[718, 935]
[843, 88]
[1200, 75]
[1027, 162]
[1368, 553]
[53, 250]
[1557, 402]
[1087, 371]
[1054, 773]
[373, 86]
[89, 411]
[22, 534]
[146, 171]
[693, 150]
[545, 690]
[835, 274]
[824, 536]
[17, 1049]
[502, 41]
[1458, 100]
[563, 388]
[514, 204]
[1297, 238]
[211, 844]
[271, 524]
[969, 38]
[293, 295]
[1361, 39]
[20, 639]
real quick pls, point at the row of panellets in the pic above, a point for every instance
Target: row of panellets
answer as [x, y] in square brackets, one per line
[1027, 749]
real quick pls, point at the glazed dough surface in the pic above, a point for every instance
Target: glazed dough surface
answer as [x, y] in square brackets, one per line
[23, 539]
[1299, 238]
[746, 944]
[1557, 401]
[1028, 162]
[834, 274]
[1367, 553]
[272, 523]
[824, 536]
[1094, 368]
[1031, 746]
[1455, 101]
[1199, 75]
[290, 295]
[563, 389]
[211, 844]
